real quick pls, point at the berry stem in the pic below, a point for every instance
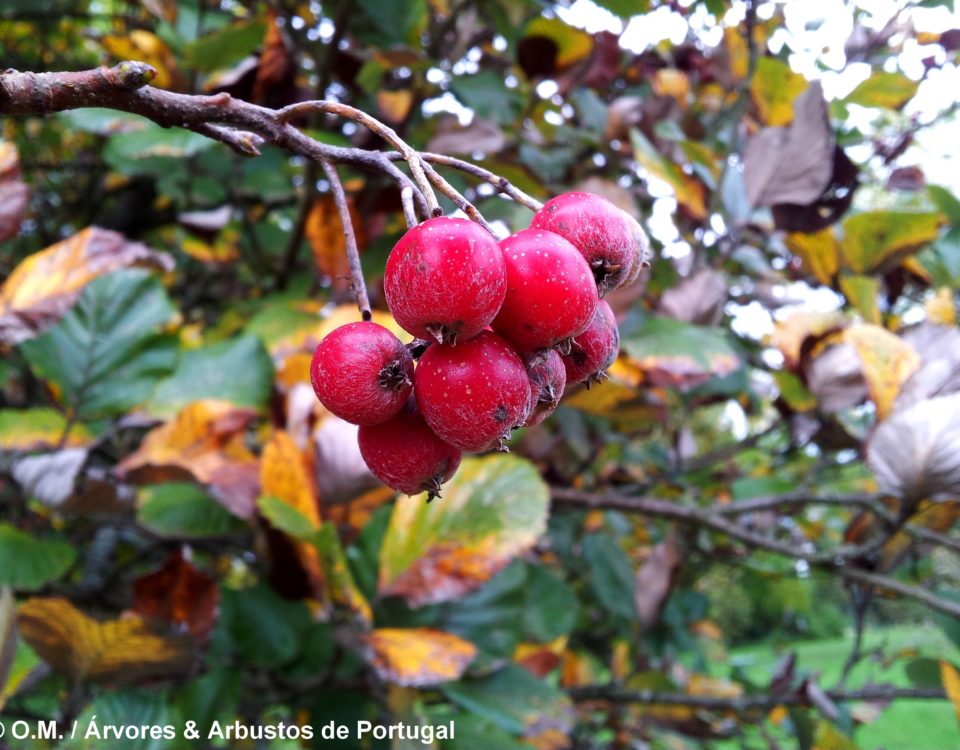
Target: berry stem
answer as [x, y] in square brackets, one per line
[406, 199]
[388, 134]
[353, 253]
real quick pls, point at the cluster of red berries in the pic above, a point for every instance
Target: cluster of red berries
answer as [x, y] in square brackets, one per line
[502, 328]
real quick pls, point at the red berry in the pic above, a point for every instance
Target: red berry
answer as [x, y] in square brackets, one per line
[594, 350]
[474, 394]
[548, 378]
[551, 294]
[602, 232]
[362, 373]
[406, 455]
[445, 280]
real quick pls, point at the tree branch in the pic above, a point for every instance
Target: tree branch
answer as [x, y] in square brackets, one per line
[353, 253]
[745, 703]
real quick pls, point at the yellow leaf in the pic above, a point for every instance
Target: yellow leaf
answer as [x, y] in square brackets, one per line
[225, 249]
[738, 54]
[878, 240]
[951, 684]
[417, 657]
[887, 361]
[394, 105]
[673, 83]
[817, 251]
[118, 651]
[691, 193]
[573, 45]
[147, 47]
[45, 285]
[774, 88]
[699, 684]
[789, 333]
[828, 737]
[862, 293]
[205, 443]
[35, 429]
[941, 308]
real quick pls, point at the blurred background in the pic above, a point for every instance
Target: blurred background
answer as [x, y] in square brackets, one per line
[744, 539]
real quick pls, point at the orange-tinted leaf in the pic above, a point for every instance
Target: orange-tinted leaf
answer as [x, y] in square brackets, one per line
[178, 595]
[938, 517]
[44, 286]
[674, 83]
[203, 443]
[540, 659]
[14, 193]
[224, 249]
[147, 47]
[887, 360]
[773, 88]
[494, 509]
[121, 651]
[417, 657]
[818, 252]
[951, 684]
[791, 332]
[324, 232]
[395, 105]
[276, 71]
[941, 308]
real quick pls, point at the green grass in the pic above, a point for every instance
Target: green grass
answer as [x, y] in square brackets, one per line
[905, 725]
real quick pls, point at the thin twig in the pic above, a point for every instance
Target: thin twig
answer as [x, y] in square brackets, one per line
[353, 253]
[406, 199]
[458, 199]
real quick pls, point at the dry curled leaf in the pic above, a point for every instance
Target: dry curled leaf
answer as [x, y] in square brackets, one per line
[14, 193]
[120, 651]
[479, 135]
[655, 580]
[203, 443]
[887, 362]
[178, 596]
[418, 657]
[45, 285]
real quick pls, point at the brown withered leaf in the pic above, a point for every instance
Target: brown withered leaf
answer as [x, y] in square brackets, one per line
[274, 84]
[655, 579]
[14, 193]
[480, 135]
[44, 286]
[204, 443]
[939, 372]
[698, 299]
[836, 378]
[829, 207]
[324, 232]
[178, 596]
[121, 651]
[418, 657]
[915, 453]
[791, 164]
[792, 333]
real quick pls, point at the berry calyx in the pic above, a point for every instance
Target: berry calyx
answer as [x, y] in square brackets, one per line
[598, 229]
[362, 373]
[445, 280]
[548, 378]
[594, 350]
[473, 395]
[406, 455]
[551, 293]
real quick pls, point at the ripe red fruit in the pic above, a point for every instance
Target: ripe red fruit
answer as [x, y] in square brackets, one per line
[551, 294]
[548, 378]
[605, 235]
[406, 455]
[594, 350]
[474, 394]
[445, 280]
[362, 373]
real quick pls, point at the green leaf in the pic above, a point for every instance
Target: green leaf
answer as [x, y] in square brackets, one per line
[153, 141]
[28, 563]
[877, 240]
[239, 371]
[611, 574]
[487, 95]
[924, 672]
[673, 352]
[774, 88]
[391, 22]
[108, 352]
[265, 629]
[179, 510]
[224, 47]
[494, 509]
[946, 201]
[102, 121]
[136, 708]
[625, 9]
[883, 89]
[8, 641]
[551, 608]
[286, 518]
[514, 700]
